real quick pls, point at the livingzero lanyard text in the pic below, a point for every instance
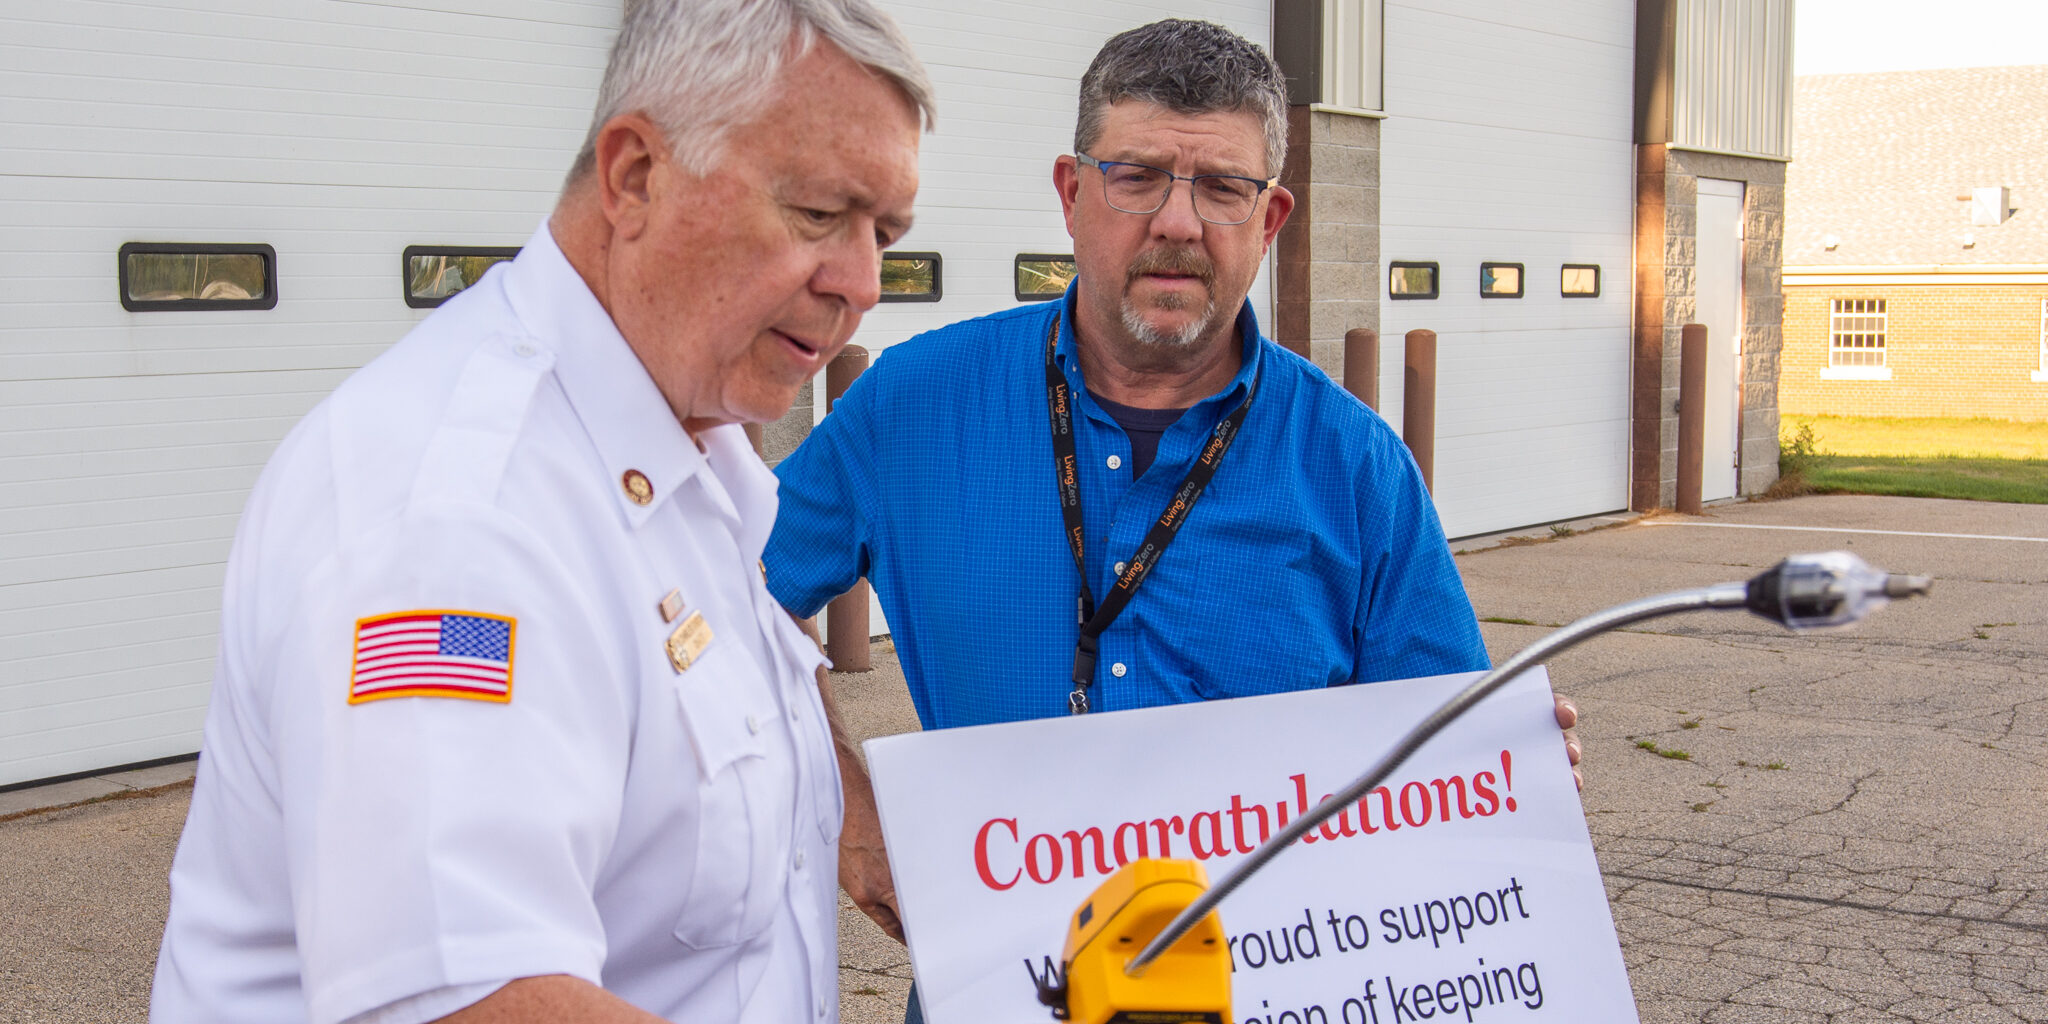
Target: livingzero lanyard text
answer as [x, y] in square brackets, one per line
[1094, 620]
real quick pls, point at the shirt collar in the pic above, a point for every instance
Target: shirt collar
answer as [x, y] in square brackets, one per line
[1249, 339]
[618, 403]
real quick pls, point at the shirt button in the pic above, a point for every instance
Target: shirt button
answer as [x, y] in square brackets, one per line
[524, 350]
[753, 724]
[799, 858]
[1118, 670]
[1115, 462]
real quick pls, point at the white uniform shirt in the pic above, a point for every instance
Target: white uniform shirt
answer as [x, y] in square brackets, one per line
[670, 835]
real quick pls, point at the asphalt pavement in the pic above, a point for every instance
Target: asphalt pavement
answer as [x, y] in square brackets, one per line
[1836, 828]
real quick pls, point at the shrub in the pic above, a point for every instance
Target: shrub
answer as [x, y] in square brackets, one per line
[1797, 451]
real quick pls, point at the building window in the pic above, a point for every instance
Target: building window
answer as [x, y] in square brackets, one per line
[1042, 275]
[2041, 375]
[1500, 280]
[1406, 280]
[1580, 281]
[434, 273]
[911, 277]
[157, 276]
[1856, 335]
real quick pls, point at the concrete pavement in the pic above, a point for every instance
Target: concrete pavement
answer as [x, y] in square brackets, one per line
[1855, 832]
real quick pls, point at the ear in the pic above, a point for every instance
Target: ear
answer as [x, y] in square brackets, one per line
[1066, 180]
[629, 150]
[1279, 203]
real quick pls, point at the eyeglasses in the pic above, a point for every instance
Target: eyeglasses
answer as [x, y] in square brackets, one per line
[1223, 199]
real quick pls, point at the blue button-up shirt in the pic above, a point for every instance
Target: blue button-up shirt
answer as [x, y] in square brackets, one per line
[1313, 559]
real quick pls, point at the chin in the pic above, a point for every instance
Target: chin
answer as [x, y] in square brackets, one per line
[1176, 332]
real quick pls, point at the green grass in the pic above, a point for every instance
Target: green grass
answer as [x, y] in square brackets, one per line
[2018, 480]
[1976, 459]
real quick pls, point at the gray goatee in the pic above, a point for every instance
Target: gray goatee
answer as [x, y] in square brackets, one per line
[1170, 261]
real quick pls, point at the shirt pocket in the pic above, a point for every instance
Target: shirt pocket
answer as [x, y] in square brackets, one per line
[744, 800]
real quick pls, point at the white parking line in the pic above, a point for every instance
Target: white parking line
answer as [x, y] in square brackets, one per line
[1845, 529]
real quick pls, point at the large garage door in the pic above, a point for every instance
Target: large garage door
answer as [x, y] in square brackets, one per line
[335, 134]
[1508, 140]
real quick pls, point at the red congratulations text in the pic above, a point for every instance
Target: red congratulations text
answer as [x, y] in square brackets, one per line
[1005, 854]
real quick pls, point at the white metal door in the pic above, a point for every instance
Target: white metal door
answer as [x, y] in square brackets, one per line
[1720, 309]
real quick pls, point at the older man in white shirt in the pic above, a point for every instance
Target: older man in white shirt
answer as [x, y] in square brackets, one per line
[506, 725]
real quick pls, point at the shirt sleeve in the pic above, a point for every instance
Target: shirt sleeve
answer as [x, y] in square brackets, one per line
[822, 542]
[429, 1006]
[451, 838]
[1414, 618]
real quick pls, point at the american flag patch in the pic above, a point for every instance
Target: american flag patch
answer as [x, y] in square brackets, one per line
[460, 654]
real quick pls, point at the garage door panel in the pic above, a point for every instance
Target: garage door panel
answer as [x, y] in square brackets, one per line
[1509, 139]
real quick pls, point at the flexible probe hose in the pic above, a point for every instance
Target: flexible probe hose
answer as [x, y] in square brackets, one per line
[1810, 591]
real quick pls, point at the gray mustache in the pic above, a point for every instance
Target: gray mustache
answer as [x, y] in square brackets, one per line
[1172, 261]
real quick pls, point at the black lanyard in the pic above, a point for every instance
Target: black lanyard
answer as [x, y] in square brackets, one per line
[1094, 620]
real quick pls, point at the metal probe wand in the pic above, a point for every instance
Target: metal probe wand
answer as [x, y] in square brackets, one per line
[1804, 592]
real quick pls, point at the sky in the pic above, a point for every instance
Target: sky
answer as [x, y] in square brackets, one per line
[1832, 37]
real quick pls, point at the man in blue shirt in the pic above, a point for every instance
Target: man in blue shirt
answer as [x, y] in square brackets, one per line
[955, 472]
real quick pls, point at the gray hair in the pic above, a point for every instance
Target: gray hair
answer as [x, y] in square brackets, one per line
[700, 68]
[1188, 67]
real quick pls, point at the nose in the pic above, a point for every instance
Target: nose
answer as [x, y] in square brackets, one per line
[852, 271]
[1176, 220]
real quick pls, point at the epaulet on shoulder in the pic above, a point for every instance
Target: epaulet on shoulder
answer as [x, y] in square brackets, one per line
[466, 454]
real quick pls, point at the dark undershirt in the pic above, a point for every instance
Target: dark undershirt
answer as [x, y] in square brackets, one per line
[1143, 426]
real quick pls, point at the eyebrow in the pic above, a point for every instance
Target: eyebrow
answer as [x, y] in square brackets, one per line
[1153, 162]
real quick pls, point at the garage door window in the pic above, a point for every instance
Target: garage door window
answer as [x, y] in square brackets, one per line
[1043, 275]
[162, 276]
[911, 277]
[1416, 280]
[433, 274]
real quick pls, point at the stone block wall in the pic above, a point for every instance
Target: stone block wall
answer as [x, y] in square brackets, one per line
[1667, 190]
[1327, 257]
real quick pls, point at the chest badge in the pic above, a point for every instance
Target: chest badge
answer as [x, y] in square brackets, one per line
[671, 605]
[688, 641]
[637, 487]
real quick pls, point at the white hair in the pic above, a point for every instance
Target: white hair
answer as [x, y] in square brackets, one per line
[700, 68]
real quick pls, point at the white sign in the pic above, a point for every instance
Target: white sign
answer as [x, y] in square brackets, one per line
[1464, 889]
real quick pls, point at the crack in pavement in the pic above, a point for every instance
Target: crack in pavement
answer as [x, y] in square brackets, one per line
[1825, 901]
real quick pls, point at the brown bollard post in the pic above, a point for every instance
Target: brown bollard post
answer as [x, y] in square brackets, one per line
[1418, 403]
[1692, 416]
[846, 629]
[1362, 365]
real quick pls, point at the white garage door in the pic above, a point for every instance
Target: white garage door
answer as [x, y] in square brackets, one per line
[1508, 139]
[337, 134]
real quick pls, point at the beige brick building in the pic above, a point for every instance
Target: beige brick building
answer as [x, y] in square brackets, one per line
[1916, 277]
